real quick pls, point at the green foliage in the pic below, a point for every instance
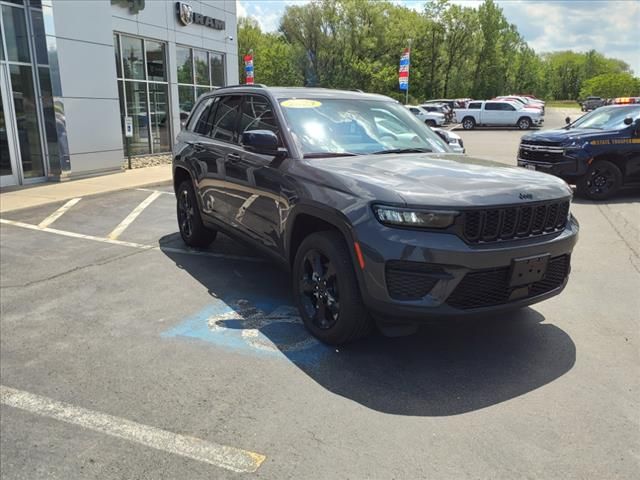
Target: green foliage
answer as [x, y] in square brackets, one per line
[457, 51]
[274, 59]
[611, 85]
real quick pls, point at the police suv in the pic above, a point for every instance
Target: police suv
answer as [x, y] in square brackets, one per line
[599, 152]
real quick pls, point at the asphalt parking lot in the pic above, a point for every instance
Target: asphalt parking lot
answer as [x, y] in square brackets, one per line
[123, 354]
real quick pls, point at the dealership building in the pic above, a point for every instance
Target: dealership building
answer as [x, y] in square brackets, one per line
[71, 71]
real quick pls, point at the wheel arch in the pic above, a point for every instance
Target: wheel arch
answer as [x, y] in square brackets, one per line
[307, 219]
[617, 159]
[180, 174]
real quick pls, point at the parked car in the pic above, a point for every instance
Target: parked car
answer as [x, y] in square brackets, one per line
[391, 229]
[439, 108]
[452, 139]
[524, 101]
[591, 103]
[498, 113]
[599, 152]
[430, 118]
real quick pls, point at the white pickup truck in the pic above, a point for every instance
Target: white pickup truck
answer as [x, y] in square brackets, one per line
[498, 113]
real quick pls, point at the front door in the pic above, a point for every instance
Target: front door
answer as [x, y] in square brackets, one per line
[21, 150]
[8, 167]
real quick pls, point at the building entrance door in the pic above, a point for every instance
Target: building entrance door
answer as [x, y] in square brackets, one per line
[22, 159]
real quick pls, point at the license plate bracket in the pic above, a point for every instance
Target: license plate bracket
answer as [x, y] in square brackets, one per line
[528, 270]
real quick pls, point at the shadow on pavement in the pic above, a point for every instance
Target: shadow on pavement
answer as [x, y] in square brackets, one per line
[446, 369]
[625, 195]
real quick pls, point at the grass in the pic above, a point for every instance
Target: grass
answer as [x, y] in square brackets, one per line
[563, 104]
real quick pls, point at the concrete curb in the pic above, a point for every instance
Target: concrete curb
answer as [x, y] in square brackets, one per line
[56, 192]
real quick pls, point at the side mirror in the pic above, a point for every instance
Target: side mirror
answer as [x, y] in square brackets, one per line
[567, 120]
[628, 121]
[264, 142]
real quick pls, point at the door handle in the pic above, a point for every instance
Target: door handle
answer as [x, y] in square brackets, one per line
[233, 157]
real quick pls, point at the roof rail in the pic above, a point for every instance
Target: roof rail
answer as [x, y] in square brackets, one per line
[258, 85]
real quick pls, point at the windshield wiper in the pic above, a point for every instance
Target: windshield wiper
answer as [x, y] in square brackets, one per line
[404, 150]
[329, 154]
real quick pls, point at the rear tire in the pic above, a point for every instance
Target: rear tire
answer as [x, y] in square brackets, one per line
[468, 123]
[524, 123]
[602, 180]
[325, 290]
[192, 230]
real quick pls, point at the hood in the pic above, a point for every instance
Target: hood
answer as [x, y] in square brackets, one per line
[444, 180]
[563, 136]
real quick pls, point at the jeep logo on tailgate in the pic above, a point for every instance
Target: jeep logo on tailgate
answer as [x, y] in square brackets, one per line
[526, 196]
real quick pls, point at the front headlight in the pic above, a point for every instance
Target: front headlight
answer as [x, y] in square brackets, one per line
[414, 218]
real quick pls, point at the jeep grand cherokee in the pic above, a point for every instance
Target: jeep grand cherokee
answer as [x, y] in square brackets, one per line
[368, 209]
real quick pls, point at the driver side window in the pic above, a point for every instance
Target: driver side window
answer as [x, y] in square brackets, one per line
[257, 114]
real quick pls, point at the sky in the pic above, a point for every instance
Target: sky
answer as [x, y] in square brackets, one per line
[611, 27]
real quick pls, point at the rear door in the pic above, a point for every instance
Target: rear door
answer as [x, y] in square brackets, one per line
[491, 115]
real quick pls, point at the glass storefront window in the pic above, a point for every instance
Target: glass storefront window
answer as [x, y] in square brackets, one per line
[185, 99]
[209, 73]
[132, 57]
[217, 69]
[15, 30]
[116, 48]
[143, 91]
[201, 90]
[185, 65]
[155, 61]
[24, 103]
[39, 38]
[159, 113]
[201, 64]
[136, 94]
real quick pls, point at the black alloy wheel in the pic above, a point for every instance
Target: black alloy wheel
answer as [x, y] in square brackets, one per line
[185, 214]
[319, 290]
[603, 179]
[192, 230]
[326, 291]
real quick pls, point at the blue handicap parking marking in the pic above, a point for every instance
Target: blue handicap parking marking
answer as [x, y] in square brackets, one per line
[253, 325]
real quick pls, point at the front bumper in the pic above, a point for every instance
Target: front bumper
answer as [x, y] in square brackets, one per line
[450, 260]
[567, 167]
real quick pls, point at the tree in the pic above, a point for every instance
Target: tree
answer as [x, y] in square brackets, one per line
[457, 51]
[611, 85]
[274, 59]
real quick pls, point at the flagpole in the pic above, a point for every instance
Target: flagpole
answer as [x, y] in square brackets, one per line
[406, 98]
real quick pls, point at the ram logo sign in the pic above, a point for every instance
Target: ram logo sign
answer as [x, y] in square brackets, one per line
[526, 196]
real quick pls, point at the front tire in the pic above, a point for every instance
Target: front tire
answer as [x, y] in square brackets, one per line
[524, 123]
[468, 123]
[192, 230]
[325, 290]
[431, 123]
[602, 180]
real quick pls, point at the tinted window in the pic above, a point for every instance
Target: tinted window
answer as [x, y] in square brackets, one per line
[257, 114]
[199, 121]
[492, 106]
[474, 106]
[508, 107]
[224, 125]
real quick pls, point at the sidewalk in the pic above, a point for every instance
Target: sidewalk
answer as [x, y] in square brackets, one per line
[55, 192]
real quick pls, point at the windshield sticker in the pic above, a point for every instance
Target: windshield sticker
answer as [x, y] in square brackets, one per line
[300, 103]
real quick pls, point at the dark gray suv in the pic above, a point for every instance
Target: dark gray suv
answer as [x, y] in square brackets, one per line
[368, 209]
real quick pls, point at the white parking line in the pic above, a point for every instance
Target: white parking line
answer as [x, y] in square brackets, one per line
[230, 458]
[58, 213]
[152, 190]
[140, 246]
[132, 216]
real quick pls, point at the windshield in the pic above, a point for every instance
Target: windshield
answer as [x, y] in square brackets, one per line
[329, 127]
[607, 118]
